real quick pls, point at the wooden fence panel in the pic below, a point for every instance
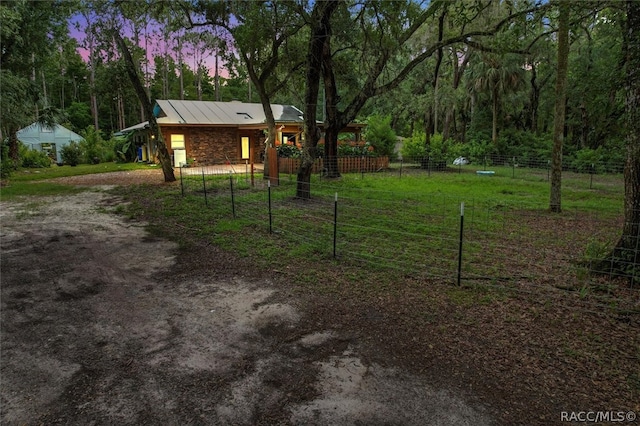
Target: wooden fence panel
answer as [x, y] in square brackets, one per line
[345, 164]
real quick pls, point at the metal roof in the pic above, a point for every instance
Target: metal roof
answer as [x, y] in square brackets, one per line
[222, 113]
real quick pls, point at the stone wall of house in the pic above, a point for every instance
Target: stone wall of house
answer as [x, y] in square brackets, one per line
[213, 145]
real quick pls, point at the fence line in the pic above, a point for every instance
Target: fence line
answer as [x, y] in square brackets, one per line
[592, 175]
[508, 247]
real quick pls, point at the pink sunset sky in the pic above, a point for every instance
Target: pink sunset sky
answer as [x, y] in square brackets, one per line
[154, 46]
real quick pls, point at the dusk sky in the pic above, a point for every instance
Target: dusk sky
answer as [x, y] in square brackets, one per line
[154, 45]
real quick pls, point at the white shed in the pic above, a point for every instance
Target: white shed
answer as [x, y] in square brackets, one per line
[46, 139]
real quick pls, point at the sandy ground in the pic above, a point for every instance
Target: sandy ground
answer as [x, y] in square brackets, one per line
[100, 326]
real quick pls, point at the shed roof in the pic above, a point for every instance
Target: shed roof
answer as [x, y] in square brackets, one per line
[222, 113]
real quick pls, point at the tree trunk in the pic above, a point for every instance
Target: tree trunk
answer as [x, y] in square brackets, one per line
[92, 83]
[428, 126]
[321, 15]
[14, 147]
[181, 67]
[163, 153]
[216, 80]
[331, 128]
[265, 100]
[436, 72]
[584, 128]
[625, 258]
[448, 119]
[494, 112]
[534, 101]
[555, 199]
[272, 132]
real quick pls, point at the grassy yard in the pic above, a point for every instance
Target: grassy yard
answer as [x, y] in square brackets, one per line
[37, 181]
[388, 225]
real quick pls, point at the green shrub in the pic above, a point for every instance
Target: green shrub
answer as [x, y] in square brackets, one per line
[97, 150]
[588, 160]
[442, 152]
[528, 148]
[613, 155]
[480, 151]
[71, 154]
[414, 148]
[109, 153]
[380, 135]
[31, 158]
[6, 164]
[288, 151]
[346, 150]
[438, 148]
[123, 148]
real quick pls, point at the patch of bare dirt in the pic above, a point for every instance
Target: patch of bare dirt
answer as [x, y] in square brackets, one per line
[132, 177]
[103, 324]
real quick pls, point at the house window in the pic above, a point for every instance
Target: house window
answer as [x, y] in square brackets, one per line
[177, 141]
[245, 147]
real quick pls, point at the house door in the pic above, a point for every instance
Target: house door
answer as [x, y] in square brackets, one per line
[179, 157]
[179, 151]
[244, 147]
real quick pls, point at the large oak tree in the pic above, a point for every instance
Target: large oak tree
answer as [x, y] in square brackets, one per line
[625, 259]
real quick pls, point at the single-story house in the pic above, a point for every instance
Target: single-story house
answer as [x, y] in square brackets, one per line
[207, 132]
[50, 140]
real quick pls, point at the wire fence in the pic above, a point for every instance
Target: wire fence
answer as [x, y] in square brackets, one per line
[514, 167]
[468, 242]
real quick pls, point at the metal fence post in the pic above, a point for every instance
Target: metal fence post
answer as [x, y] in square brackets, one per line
[204, 187]
[181, 183]
[460, 244]
[233, 201]
[270, 215]
[335, 224]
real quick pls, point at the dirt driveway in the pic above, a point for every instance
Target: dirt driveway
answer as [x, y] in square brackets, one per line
[103, 324]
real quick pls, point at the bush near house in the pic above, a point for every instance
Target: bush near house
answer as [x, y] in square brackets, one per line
[31, 158]
[436, 155]
[71, 154]
[6, 165]
[95, 149]
[380, 135]
[346, 148]
[288, 151]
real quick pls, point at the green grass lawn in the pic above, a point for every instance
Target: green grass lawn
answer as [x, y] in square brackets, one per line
[23, 175]
[390, 223]
[407, 225]
[23, 182]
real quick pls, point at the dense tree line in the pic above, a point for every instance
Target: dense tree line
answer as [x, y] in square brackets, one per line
[468, 88]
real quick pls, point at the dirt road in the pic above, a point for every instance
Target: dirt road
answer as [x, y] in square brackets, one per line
[102, 324]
